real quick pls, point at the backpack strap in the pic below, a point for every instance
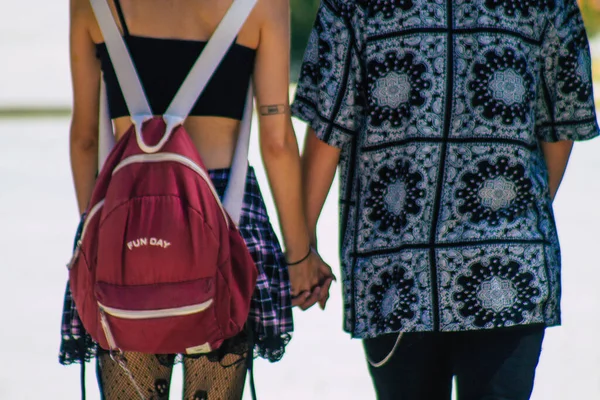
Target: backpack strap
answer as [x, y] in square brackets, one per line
[106, 136]
[212, 55]
[187, 95]
[236, 185]
[250, 363]
[82, 375]
[132, 89]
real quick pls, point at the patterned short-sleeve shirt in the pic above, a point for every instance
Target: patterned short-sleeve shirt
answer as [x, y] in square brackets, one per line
[439, 107]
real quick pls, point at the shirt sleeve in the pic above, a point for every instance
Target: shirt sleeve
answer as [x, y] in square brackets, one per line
[566, 108]
[328, 92]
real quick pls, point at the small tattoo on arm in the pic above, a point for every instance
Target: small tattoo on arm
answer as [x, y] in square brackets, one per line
[273, 109]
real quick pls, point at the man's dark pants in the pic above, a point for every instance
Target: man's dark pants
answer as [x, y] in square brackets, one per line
[488, 365]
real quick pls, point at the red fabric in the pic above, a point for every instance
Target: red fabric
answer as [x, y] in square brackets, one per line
[160, 241]
[157, 296]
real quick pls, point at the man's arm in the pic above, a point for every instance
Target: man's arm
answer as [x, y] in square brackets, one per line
[319, 163]
[556, 156]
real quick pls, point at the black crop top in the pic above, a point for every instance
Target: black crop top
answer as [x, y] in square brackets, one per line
[163, 65]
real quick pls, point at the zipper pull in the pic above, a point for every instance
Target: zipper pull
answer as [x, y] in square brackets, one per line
[75, 256]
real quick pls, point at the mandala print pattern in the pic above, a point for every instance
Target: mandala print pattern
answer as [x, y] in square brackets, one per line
[391, 298]
[523, 8]
[396, 87]
[315, 63]
[395, 196]
[445, 214]
[388, 8]
[574, 70]
[503, 86]
[496, 294]
[496, 192]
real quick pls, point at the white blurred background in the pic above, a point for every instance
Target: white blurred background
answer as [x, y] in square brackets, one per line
[38, 218]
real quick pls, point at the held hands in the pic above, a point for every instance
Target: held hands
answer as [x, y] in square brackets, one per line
[310, 280]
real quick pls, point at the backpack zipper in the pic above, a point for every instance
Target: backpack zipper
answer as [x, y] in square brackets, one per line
[150, 314]
[178, 158]
[88, 218]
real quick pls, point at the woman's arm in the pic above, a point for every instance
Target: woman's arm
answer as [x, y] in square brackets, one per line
[85, 76]
[557, 156]
[279, 147]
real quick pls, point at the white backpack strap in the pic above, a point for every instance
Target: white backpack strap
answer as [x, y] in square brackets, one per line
[234, 195]
[130, 84]
[212, 55]
[187, 95]
[199, 76]
[106, 137]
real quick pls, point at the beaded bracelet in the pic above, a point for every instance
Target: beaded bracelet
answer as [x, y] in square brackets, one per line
[302, 259]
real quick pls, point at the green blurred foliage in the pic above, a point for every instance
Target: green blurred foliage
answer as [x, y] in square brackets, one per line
[590, 9]
[303, 17]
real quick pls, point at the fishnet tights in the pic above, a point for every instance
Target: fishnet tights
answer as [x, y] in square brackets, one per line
[203, 379]
[208, 380]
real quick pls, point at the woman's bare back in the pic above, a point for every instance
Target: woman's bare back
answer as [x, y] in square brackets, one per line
[194, 20]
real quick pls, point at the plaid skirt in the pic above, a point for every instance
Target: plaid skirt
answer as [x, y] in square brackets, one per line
[270, 317]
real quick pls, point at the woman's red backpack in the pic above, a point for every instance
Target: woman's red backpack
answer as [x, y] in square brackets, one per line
[161, 267]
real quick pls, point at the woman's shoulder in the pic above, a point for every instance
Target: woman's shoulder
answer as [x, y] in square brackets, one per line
[80, 8]
[272, 11]
[81, 12]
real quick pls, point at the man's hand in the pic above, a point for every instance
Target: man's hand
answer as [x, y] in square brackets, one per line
[304, 279]
[326, 277]
[311, 281]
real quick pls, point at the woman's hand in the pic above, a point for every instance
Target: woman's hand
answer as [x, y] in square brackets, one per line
[310, 280]
[304, 280]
